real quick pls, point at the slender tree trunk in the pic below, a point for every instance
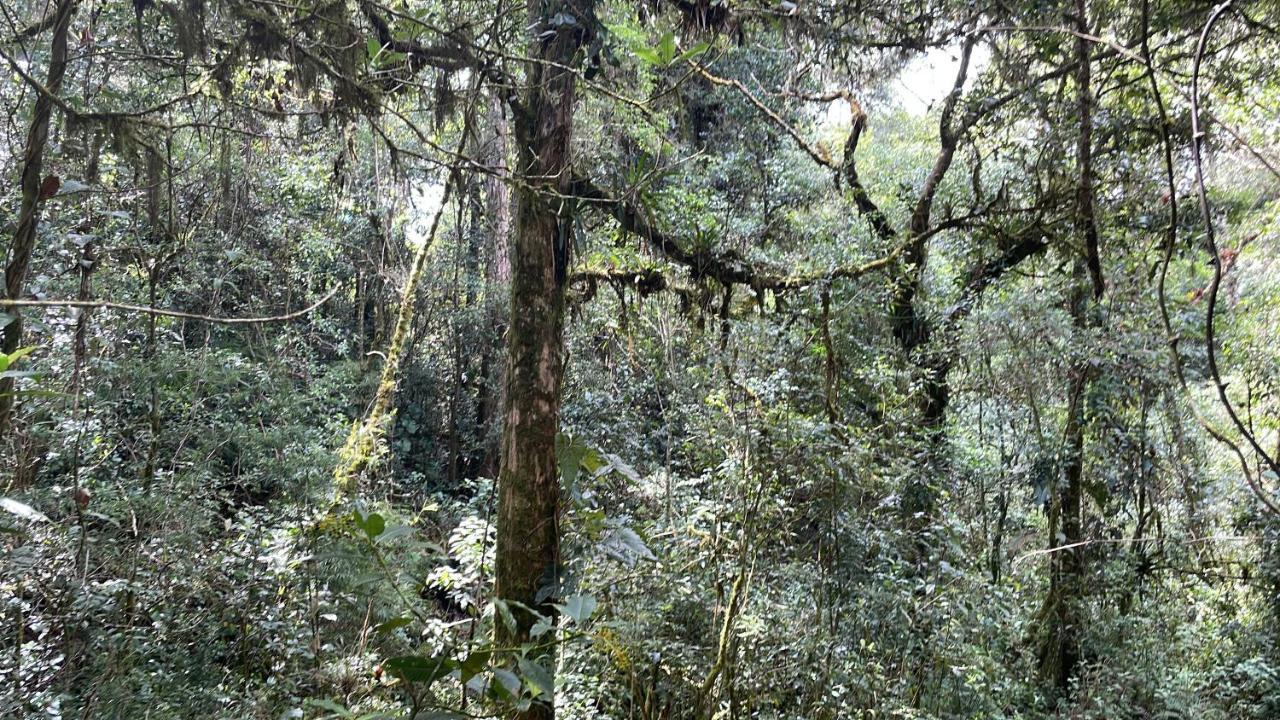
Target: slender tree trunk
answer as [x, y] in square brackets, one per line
[497, 202]
[1060, 654]
[529, 482]
[24, 238]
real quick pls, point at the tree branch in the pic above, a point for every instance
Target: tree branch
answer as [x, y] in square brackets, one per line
[725, 268]
[100, 304]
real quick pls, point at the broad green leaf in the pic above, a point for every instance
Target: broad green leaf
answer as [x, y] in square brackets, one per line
[536, 678]
[1098, 491]
[693, 52]
[72, 186]
[374, 524]
[647, 55]
[392, 624]
[474, 664]
[541, 627]
[667, 48]
[329, 705]
[618, 465]
[19, 374]
[569, 455]
[418, 669]
[9, 359]
[578, 607]
[508, 683]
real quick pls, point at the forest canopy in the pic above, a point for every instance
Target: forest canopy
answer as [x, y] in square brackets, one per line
[661, 360]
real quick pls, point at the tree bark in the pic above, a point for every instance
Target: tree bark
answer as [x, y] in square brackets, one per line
[497, 271]
[24, 238]
[528, 549]
[1060, 653]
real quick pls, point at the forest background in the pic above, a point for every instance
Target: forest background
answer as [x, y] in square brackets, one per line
[664, 359]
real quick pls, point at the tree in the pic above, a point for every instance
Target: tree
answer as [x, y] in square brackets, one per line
[528, 523]
[35, 191]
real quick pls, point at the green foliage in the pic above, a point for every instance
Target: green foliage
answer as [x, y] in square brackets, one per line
[755, 519]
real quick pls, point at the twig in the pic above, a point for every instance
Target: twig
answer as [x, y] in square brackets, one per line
[1130, 541]
[98, 304]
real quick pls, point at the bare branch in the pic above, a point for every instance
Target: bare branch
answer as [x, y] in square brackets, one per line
[105, 305]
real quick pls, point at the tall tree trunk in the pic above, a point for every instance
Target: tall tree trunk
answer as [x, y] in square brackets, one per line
[497, 274]
[24, 238]
[529, 482]
[1060, 653]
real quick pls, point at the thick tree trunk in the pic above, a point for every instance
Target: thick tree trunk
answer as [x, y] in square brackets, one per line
[24, 238]
[529, 481]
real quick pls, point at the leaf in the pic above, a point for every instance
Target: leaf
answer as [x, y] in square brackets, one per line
[667, 48]
[508, 682]
[536, 678]
[392, 624]
[504, 611]
[578, 607]
[13, 357]
[593, 461]
[647, 55]
[329, 705]
[562, 20]
[569, 455]
[1098, 491]
[622, 543]
[532, 612]
[38, 393]
[23, 510]
[418, 669]
[474, 664]
[372, 47]
[541, 627]
[618, 465]
[693, 52]
[395, 533]
[15, 374]
[374, 525]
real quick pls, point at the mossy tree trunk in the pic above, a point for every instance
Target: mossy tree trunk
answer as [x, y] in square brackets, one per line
[33, 196]
[528, 482]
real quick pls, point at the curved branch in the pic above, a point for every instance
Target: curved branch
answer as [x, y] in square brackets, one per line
[1197, 147]
[725, 268]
